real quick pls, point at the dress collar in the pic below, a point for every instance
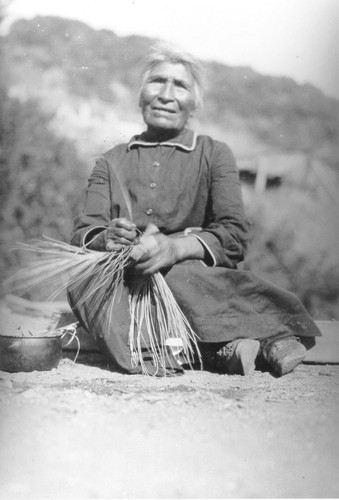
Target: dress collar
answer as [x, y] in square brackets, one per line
[186, 140]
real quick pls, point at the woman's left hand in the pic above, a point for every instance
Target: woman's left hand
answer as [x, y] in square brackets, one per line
[155, 252]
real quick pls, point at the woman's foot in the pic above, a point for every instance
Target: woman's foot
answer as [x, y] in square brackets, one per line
[284, 355]
[238, 357]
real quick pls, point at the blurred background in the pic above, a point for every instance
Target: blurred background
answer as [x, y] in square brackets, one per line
[69, 92]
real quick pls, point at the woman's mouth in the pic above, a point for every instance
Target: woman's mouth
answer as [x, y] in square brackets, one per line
[165, 111]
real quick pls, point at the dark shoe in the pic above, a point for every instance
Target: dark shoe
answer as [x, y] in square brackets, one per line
[285, 354]
[238, 357]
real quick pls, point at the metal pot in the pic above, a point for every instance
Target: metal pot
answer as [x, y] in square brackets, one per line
[26, 354]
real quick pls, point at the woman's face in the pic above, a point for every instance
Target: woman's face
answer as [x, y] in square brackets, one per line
[167, 98]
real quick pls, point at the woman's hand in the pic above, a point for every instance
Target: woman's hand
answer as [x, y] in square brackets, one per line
[120, 232]
[156, 251]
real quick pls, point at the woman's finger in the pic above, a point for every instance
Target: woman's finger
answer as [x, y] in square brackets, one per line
[125, 224]
[121, 234]
[117, 234]
[113, 247]
[149, 267]
[117, 243]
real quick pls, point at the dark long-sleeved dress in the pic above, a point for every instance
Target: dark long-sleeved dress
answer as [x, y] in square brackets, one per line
[188, 185]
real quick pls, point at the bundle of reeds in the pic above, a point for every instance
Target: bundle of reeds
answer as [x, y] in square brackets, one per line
[156, 318]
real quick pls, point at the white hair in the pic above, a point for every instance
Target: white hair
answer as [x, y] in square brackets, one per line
[165, 52]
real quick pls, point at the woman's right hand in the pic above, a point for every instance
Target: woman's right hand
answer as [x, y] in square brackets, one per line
[119, 233]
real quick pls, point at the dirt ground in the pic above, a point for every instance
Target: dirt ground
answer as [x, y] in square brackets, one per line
[82, 431]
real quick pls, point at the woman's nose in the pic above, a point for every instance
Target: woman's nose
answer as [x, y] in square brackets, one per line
[166, 92]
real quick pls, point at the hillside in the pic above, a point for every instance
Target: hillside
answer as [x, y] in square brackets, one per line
[90, 79]
[69, 93]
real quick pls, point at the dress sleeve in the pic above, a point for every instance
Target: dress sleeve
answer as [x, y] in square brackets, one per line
[226, 232]
[96, 213]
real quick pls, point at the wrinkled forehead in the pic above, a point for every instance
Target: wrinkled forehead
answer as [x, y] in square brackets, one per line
[172, 70]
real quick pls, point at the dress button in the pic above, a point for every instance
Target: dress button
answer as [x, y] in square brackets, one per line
[153, 185]
[156, 164]
[149, 211]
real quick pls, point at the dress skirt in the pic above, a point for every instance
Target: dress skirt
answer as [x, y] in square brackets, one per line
[220, 304]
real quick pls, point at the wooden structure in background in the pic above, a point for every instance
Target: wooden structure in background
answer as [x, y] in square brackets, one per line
[296, 169]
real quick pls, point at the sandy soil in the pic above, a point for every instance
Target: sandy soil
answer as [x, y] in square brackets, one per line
[82, 431]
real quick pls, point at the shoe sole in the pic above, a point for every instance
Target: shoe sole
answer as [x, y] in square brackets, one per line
[289, 365]
[247, 351]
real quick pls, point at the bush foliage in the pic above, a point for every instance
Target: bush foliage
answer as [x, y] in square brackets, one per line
[295, 243]
[42, 179]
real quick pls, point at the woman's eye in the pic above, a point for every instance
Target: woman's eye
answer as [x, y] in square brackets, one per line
[156, 80]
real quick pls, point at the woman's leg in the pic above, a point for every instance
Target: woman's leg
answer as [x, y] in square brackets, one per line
[237, 357]
[284, 352]
[108, 322]
[279, 354]
[225, 306]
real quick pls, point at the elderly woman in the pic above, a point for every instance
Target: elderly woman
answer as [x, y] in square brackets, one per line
[188, 187]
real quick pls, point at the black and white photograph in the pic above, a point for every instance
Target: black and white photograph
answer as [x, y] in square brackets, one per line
[169, 249]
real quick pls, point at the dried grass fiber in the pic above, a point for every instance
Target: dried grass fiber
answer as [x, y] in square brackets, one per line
[151, 302]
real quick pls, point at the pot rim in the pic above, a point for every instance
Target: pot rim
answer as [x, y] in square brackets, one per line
[46, 337]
